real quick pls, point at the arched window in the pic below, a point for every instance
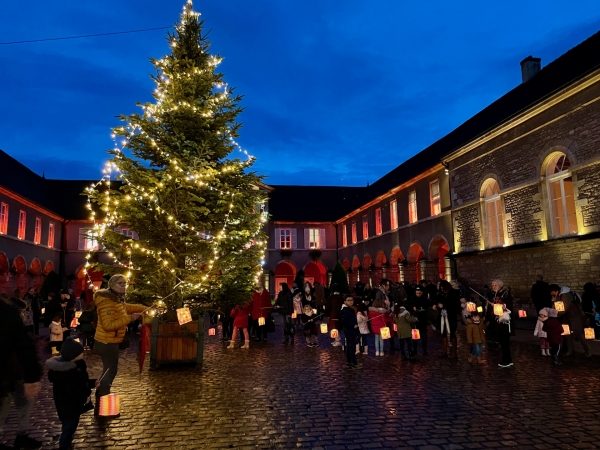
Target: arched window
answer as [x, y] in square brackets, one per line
[562, 198]
[494, 214]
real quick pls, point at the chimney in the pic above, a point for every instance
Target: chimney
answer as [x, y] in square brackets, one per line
[529, 67]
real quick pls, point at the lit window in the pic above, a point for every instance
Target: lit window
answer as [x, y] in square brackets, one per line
[3, 218]
[393, 214]
[354, 238]
[88, 239]
[378, 227]
[314, 237]
[37, 236]
[365, 227]
[436, 202]
[412, 207]
[51, 235]
[493, 214]
[562, 198]
[22, 224]
[344, 237]
[285, 238]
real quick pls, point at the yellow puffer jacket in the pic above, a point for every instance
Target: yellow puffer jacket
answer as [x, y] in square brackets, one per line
[113, 316]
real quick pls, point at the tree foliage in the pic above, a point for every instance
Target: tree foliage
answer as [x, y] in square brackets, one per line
[339, 277]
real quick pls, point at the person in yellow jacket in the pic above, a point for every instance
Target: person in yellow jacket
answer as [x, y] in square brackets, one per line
[113, 317]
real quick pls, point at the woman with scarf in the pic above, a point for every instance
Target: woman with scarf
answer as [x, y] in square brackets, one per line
[498, 294]
[503, 330]
[448, 304]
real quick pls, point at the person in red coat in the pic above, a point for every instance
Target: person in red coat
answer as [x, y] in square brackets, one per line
[239, 315]
[554, 331]
[261, 307]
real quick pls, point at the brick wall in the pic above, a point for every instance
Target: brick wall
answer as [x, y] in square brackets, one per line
[571, 262]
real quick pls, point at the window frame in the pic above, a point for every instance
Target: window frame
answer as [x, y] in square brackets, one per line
[87, 239]
[51, 235]
[560, 178]
[496, 201]
[354, 233]
[433, 202]
[283, 239]
[378, 223]
[365, 227]
[22, 230]
[344, 236]
[394, 214]
[412, 207]
[37, 234]
[4, 209]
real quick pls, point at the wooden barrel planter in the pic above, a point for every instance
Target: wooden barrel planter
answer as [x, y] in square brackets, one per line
[172, 343]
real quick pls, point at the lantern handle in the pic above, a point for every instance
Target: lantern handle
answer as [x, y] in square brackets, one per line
[481, 295]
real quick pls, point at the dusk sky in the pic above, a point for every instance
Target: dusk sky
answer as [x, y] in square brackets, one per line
[336, 92]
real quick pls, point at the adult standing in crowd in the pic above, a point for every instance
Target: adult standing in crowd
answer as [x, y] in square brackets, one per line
[319, 297]
[20, 374]
[418, 307]
[34, 300]
[261, 307]
[540, 294]
[448, 303]
[284, 305]
[333, 306]
[113, 317]
[573, 316]
[590, 303]
[503, 332]
[498, 294]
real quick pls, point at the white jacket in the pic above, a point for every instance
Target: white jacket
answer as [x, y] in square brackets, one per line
[538, 331]
[363, 325]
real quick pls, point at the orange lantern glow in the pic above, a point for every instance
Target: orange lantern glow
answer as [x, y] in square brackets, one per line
[522, 313]
[314, 311]
[416, 334]
[471, 307]
[294, 315]
[395, 327]
[74, 323]
[559, 306]
[479, 309]
[334, 334]
[261, 321]
[43, 310]
[498, 309]
[110, 405]
[589, 333]
[385, 333]
[212, 332]
[324, 328]
[78, 314]
[566, 330]
[184, 316]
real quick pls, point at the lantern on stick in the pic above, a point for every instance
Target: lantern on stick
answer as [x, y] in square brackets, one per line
[261, 321]
[498, 310]
[416, 334]
[566, 330]
[334, 333]
[385, 333]
[324, 328]
[294, 315]
[395, 328]
[522, 313]
[589, 333]
[471, 307]
[479, 309]
[110, 405]
[314, 311]
[559, 306]
[212, 332]
[184, 316]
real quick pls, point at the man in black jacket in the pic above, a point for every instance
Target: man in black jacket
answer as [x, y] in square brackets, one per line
[350, 325]
[20, 374]
[540, 294]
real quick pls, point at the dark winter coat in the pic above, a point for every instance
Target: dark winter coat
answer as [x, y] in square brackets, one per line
[285, 303]
[540, 295]
[451, 303]
[554, 330]
[333, 306]
[309, 323]
[574, 315]
[86, 321]
[70, 386]
[418, 307]
[348, 318]
[19, 360]
[320, 295]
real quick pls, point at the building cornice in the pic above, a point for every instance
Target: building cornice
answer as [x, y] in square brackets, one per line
[29, 203]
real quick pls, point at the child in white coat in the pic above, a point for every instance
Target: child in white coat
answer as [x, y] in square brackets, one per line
[362, 317]
[541, 334]
[56, 334]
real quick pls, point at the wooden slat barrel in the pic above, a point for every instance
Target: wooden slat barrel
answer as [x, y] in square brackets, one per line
[173, 343]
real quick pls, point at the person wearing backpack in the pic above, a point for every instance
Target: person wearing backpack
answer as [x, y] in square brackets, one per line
[349, 323]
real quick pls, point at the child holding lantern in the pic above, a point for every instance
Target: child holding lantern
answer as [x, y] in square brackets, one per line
[380, 318]
[475, 337]
[404, 322]
[362, 318]
[540, 333]
[309, 321]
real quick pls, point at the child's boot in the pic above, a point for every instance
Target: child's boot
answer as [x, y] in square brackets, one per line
[246, 344]
[366, 350]
[555, 361]
[470, 359]
[357, 349]
[231, 344]
[547, 352]
[543, 352]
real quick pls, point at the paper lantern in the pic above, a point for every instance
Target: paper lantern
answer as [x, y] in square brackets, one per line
[471, 307]
[74, 323]
[110, 405]
[479, 309]
[566, 330]
[184, 316]
[522, 313]
[559, 306]
[314, 311]
[395, 327]
[324, 328]
[589, 333]
[385, 333]
[43, 310]
[78, 314]
[212, 331]
[416, 334]
[334, 334]
[261, 321]
[294, 315]
[498, 309]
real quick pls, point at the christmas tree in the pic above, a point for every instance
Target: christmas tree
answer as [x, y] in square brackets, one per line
[184, 216]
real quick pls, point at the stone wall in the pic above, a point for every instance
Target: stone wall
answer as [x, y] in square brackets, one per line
[523, 214]
[588, 198]
[571, 262]
[467, 234]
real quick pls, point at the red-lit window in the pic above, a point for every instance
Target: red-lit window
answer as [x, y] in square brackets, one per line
[3, 218]
[378, 227]
[314, 238]
[344, 237]
[393, 215]
[436, 201]
[354, 238]
[22, 224]
[51, 235]
[365, 227]
[412, 207]
[37, 236]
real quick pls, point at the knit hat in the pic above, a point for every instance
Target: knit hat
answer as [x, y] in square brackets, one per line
[70, 349]
[552, 312]
[544, 312]
[419, 288]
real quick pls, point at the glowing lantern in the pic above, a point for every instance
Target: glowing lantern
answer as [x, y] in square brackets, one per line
[589, 333]
[314, 311]
[74, 323]
[416, 334]
[559, 306]
[324, 328]
[212, 331]
[479, 309]
[385, 333]
[334, 334]
[261, 321]
[498, 309]
[471, 307]
[395, 327]
[43, 310]
[566, 330]
[78, 314]
[522, 313]
[110, 405]
[184, 316]
[294, 315]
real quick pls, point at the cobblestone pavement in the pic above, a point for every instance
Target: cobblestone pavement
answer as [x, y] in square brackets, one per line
[274, 396]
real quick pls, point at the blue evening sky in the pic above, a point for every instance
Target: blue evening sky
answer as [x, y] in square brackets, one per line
[336, 92]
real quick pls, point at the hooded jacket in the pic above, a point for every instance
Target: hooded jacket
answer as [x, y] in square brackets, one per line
[404, 321]
[475, 332]
[348, 318]
[113, 316]
[70, 386]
